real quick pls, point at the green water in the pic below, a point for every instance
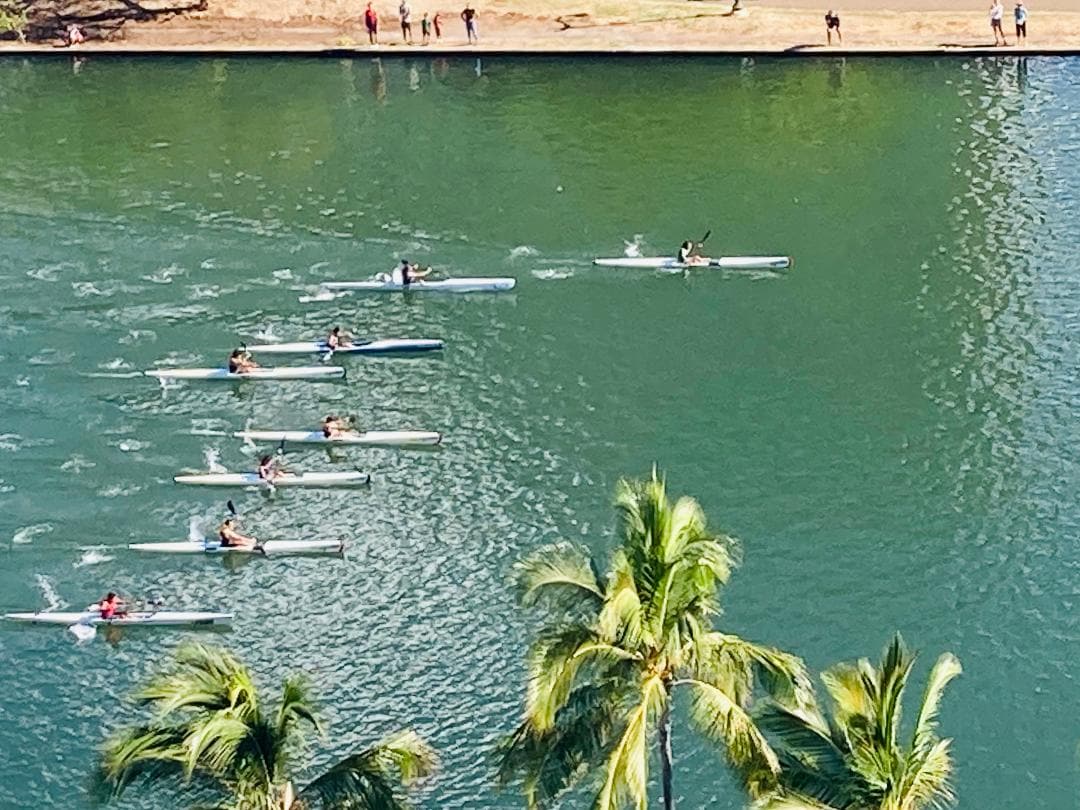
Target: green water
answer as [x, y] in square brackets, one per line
[889, 427]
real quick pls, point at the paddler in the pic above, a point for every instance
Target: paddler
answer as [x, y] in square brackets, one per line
[337, 338]
[112, 607]
[690, 253]
[229, 537]
[334, 427]
[241, 362]
[268, 469]
[407, 272]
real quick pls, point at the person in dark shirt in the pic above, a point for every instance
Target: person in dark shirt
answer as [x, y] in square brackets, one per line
[832, 22]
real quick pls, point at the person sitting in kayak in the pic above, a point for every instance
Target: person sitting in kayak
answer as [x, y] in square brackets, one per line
[111, 607]
[407, 272]
[241, 362]
[334, 427]
[229, 537]
[336, 339]
[268, 469]
[690, 253]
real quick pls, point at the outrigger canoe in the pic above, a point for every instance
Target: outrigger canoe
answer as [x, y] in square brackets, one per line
[369, 438]
[310, 479]
[280, 373]
[374, 347]
[92, 618]
[722, 263]
[447, 285]
[269, 547]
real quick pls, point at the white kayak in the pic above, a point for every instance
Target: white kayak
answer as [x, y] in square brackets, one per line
[311, 479]
[722, 263]
[281, 373]
[268, 547]
[387, 346]
[369, 438]
[448, 285]
[138, 617]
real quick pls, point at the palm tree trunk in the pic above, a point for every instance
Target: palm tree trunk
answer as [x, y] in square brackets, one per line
[665, 754]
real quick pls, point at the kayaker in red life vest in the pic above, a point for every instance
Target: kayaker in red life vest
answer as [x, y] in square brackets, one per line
[111, 606]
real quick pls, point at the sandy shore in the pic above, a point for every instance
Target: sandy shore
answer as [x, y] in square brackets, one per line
[778, 26]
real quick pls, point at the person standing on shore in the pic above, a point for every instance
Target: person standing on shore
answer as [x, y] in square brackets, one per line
[405, 13]
[469, 16]
[1020, 15]
[436, 22]
[832, 21]
[425, 30]
[997, 11]
[371, 23]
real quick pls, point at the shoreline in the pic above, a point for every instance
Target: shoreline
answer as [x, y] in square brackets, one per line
[585, 28]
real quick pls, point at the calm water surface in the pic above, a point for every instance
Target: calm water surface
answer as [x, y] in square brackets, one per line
[889, 427]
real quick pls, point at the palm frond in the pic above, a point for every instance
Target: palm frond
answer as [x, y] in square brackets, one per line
[723, 721]
[297, 704]
[202, 678]
[139, 751]
[789, 801]
[374, 778]
[553, 665]
[782, 675]
[561, 574]
[927, 779]
[945, 669]
[813, 760]
[550, 762]
[627, 767]
[212, 743]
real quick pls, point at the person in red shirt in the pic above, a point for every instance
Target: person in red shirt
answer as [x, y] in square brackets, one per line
[436, 21]
[371, 23]
[111, 607]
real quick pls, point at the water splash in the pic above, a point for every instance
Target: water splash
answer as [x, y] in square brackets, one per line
[76, 464]
[523, 251]
[553, 273]
[211, 455]
[49, 594]
[633, 249]
[26, 534]
[92, 556]
[195, 531]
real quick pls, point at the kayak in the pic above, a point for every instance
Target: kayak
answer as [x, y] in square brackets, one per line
[369, 438]
[282, 373]
[448, 285]
[388, 346]
[269, 547]
[722, 263]
[311, 479]
[138, 617]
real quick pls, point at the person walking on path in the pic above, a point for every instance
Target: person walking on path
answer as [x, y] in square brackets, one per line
[469, 16]
[997, 11]
[832, 21]
[436, 23]
[1020, 15]
[425, 30]
[371, 23]
[405, 13]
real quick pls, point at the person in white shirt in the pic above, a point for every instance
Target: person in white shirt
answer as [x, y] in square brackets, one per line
[997, 11]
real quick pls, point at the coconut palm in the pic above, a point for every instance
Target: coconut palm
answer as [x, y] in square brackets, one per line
[853, 759]
[615, 647]
[210, 733]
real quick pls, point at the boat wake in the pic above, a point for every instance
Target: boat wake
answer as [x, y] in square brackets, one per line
[212, 456]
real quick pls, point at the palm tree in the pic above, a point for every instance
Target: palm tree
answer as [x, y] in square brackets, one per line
[209, 731]
[853, 759]
[614, 648]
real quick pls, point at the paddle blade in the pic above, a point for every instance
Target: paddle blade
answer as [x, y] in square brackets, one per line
[231, 507]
